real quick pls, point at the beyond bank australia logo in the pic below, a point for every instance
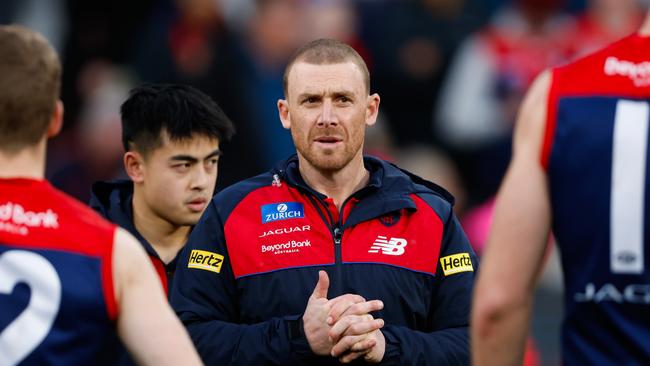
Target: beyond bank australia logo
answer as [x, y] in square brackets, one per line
[282, 211]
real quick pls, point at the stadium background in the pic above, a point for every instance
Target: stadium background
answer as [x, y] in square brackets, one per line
[451, 74]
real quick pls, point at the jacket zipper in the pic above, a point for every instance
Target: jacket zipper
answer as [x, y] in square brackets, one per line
[336, 230]
[337, 234]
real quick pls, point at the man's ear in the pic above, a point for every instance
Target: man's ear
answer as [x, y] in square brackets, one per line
[56, 120]
[372, 109]
[283, 111]
[134, 166]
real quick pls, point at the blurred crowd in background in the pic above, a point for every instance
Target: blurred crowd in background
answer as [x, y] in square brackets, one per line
[451, 75]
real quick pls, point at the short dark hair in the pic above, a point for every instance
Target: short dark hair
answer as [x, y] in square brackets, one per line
[326, 51]
[179, 110]
[30, 79]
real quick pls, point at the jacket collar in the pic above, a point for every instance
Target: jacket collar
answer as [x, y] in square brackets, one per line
[114, 201]
[288, 171]
[389, 188]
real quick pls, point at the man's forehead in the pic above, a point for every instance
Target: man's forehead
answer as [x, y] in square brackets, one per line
[196, 143]
[307, 76]
[195, 138]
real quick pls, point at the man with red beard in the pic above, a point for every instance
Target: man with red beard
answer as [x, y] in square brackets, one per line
[332, 256]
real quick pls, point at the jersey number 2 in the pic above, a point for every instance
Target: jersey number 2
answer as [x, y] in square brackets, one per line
[629, 151]
[29, 329]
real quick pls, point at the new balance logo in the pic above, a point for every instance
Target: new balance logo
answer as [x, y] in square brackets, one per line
[394, 246]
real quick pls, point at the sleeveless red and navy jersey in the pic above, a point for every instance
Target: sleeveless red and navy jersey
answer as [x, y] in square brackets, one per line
[252, 261]
[596, 153]
[57, 303]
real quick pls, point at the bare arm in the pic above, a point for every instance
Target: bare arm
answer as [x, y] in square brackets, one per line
[515, 250]
[146, 323]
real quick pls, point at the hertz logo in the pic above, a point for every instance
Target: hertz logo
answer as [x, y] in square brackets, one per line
[207, 261]
[456, 263]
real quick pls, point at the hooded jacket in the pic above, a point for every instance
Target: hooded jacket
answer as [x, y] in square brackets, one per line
[113, 200]
[252, 262]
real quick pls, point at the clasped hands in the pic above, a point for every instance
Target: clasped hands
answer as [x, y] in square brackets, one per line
[343, 327]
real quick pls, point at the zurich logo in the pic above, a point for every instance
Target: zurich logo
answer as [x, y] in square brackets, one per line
[282, 211]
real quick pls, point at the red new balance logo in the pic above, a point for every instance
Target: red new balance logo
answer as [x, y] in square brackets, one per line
[392, 246]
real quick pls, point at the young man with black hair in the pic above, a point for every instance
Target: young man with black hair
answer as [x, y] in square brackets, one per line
[171, 134]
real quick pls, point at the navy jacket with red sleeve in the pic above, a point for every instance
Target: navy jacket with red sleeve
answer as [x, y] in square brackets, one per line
[251, 263]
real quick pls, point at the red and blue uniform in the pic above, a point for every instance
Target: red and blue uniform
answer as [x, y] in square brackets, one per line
[252, 261]
[57, 302]
[596, 153]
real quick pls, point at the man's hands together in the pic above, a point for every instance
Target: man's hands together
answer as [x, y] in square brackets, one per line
[342, 327]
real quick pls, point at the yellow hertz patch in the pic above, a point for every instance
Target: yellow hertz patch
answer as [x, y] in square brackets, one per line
[456, 263]
[205, 260]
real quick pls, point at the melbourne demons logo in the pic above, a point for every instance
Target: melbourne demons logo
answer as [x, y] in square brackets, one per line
[392, 246]
[390, 219]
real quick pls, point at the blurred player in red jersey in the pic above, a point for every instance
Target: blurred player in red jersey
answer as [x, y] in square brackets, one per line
[579, 167]
[68, 278]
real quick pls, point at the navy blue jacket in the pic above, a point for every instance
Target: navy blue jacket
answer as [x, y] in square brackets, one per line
[113, 200]
[252, 261]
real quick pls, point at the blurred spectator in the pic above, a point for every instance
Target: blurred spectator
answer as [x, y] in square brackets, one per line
[48, 17]
[272, 33]
[236, 12]
[433, 165]
[477, 222]
[486, 83]
[189, 42]
[97, 153]
[334, 19]
[182, 40]
[410, 45]
[96, 30]
[379, 141]
[604, 22]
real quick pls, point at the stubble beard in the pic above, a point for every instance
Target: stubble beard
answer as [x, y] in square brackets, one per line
[328, 160]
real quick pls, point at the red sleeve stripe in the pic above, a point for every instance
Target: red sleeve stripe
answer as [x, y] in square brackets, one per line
[551, 121]
[159, 266]
[107, 278]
